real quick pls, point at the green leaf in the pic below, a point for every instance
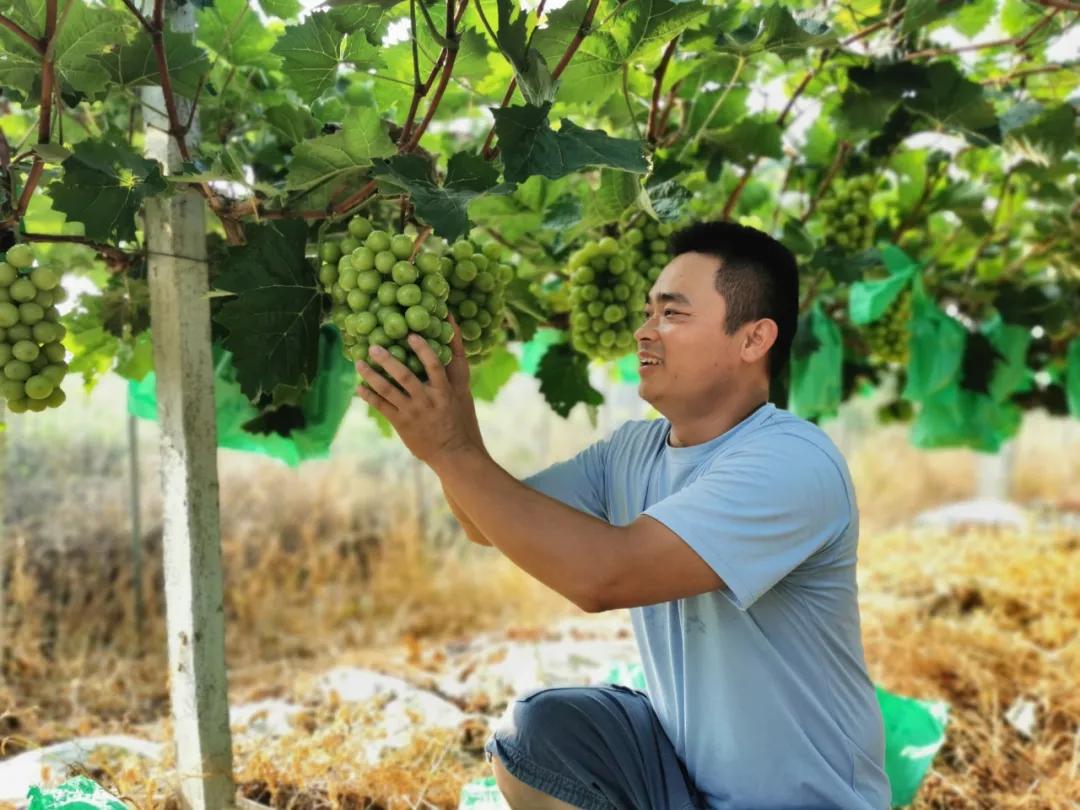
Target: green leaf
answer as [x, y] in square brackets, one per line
[1011, 374]
[444, 208]
[869, 300]
[564, 379]
[134, 64]
[366, 135]
[87, 31]
[1046, 138]
[309, 55]
[816, 379]
[638, 27]
[747, 138]
[283, 9]
[972, 17]
[232, 29]
[775, 29]
[135, 357]
[920, 13]
[842, 266]
[1018, 16]
[103, 186]
[273, 322]
[487, 378]
[295, 124]
[956, 102]
[617, 192]
[529, 146]
[796, 239]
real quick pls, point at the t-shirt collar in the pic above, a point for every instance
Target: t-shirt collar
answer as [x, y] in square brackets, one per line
[697, 452]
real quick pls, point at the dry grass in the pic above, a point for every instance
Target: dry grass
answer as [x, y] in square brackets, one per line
[327, 567]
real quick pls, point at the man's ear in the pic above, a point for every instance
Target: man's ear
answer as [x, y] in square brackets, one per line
[759, 338]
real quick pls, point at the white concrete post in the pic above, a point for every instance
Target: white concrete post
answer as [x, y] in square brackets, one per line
[175, 230]
[994, 472]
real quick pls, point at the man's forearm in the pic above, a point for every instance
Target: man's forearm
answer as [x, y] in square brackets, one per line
[567, 550]
[471, 531]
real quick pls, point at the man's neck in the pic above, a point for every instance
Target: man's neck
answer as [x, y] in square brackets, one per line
[688, 429]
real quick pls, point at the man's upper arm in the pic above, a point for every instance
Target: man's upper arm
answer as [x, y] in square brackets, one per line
[656, 566]
[579, 482]
[739, 528]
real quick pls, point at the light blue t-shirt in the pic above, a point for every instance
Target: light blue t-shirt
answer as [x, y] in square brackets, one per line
[761, 686]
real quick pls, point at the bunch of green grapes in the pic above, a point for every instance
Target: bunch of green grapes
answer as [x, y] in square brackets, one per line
[649, 248]
[888, 335]
[477, 299]
[849, 222]
[31, 354]
[381, 292]
[607, 298]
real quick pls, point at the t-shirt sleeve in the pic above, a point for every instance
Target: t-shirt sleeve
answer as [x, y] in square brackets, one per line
[579, 482]
[759, 514]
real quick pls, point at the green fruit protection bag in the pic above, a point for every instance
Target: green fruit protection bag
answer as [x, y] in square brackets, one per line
[321, 411]
[79, 793]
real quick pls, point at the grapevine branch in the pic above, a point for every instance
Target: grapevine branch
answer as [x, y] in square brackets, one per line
[826, 54]
[652, 128]
[1018, 42]
[842, 152]
[22, 34]
[109, 251]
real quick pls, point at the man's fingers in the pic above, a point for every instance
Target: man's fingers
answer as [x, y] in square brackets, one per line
[377, 402]
[458, 370]
[435, 371]
[398, 371]
[383, 387]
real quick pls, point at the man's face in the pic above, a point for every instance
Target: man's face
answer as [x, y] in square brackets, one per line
[685, 357]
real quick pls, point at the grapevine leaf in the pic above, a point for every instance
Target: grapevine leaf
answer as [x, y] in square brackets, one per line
[294, 124]
[596, 69]
[530, 67]
[796, 239]
[1046, 138]
[564, 379]
[773, 28]
[88, 31]
[444, 208]
[747, 138]
[103, 186]
[1018, 16]
[971, 18]
[134, 64]
[529, 145]
[842, 266]
[487, 378]
[309, 55]
[283, 9]
[273, 322]
[956, 102]
[334, 163]
[617, 192]
[920, 13]
[665, 197]
[232, 29]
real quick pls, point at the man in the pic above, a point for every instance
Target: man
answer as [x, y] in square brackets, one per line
[730, 530]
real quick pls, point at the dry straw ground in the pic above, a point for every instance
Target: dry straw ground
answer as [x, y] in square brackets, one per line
[327, 567]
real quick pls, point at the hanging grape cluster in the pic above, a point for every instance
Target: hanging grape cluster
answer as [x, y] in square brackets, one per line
[888, 336]
[649, 248]
[849, 222]
[380, 293]
[607, 298]
[477, 297]
[31, 354]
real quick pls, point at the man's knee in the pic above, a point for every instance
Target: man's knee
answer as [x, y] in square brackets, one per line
[521, 796]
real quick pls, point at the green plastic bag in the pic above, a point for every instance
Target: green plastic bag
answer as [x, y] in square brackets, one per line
[914, 732]
[1072, 377]
[482, 794]
[816, 380]
[79, 793]
[323, 407]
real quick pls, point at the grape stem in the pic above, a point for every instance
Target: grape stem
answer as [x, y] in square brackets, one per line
[22, 34]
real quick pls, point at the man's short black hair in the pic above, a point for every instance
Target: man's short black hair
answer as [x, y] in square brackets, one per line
[758, 277]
